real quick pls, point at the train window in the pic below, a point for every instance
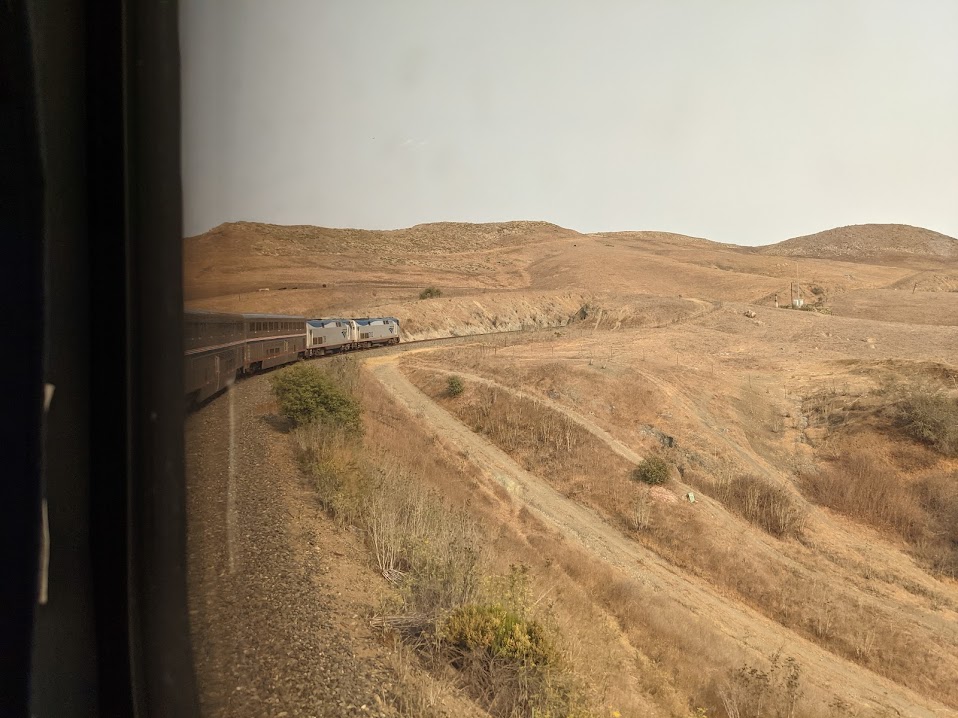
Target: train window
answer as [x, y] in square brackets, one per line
[301, 118]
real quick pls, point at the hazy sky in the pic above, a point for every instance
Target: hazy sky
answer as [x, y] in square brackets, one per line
[740, 121]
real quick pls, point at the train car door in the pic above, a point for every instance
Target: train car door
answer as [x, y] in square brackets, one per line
[216, 371]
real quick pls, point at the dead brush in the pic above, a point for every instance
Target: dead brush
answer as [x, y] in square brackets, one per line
[753, 692]
[771, 508]
[442, 608]
[930, 416]
[857, 481]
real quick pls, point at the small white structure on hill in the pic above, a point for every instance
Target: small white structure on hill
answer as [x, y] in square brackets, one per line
[797, 301]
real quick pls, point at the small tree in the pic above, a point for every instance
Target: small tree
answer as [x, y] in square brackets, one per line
[454, 386]
[430, 292]
[653, 471]
[308, 395]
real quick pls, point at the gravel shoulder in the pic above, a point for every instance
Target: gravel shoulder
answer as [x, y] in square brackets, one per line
[276, 589]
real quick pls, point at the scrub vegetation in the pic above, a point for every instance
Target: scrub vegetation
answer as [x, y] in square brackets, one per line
[444, 600]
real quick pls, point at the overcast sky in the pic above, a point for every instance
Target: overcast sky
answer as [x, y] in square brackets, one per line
[740, 121]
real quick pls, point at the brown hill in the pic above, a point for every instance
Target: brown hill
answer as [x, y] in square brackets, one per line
[870, 244]
[510, 274]
[813, 575]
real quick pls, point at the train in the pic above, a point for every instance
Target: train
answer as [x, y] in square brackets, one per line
[220, 347]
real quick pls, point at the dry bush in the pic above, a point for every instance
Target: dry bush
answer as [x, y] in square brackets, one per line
[539, 438]
[433, 555]
[752, 692]
[771, 508]
[330, 459]
[859, 484]
[509, 662]
[931, 417]
[515, 423]
[890, 483]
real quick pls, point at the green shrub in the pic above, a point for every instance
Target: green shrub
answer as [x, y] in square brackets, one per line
[430, 292]
[307, 395]
[498, 633]
[652, 471]
[932, 418]
[454, 386]
[509, 663]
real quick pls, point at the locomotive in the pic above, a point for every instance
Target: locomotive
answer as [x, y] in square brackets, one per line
[220, 347]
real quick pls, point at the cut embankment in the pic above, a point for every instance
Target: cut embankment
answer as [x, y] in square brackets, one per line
[730, 620]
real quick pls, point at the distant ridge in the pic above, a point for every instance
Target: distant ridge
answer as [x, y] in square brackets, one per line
[876, 244]
[430, 238]
[869, 243]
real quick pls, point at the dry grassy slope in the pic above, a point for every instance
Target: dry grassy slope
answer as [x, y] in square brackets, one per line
[871, 243]
[513, 274]
[733, 391]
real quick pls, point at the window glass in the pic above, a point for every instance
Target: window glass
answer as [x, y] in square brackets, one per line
[663, 491]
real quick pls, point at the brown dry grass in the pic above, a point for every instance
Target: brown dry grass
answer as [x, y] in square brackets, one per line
[593, 645]
[773, 509]
[677, 665]
[431, 558]
[852, 589]
[582, 467]
[862, 479]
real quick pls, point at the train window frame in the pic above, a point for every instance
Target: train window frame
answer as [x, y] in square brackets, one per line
[95, 98]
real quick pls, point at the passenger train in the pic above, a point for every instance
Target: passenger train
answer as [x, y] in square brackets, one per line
[220, 347]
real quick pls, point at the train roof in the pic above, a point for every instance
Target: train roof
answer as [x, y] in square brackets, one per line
[367, 320]
[321, 322]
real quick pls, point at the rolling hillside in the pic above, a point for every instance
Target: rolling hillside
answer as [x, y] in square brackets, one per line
[800, 559]
[871, 243]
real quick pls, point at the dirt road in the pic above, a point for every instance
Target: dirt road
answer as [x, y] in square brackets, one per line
[746, 627]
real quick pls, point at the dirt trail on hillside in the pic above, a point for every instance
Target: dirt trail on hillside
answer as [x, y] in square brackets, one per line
[742, 625]
[758, 544]
[597, 431]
